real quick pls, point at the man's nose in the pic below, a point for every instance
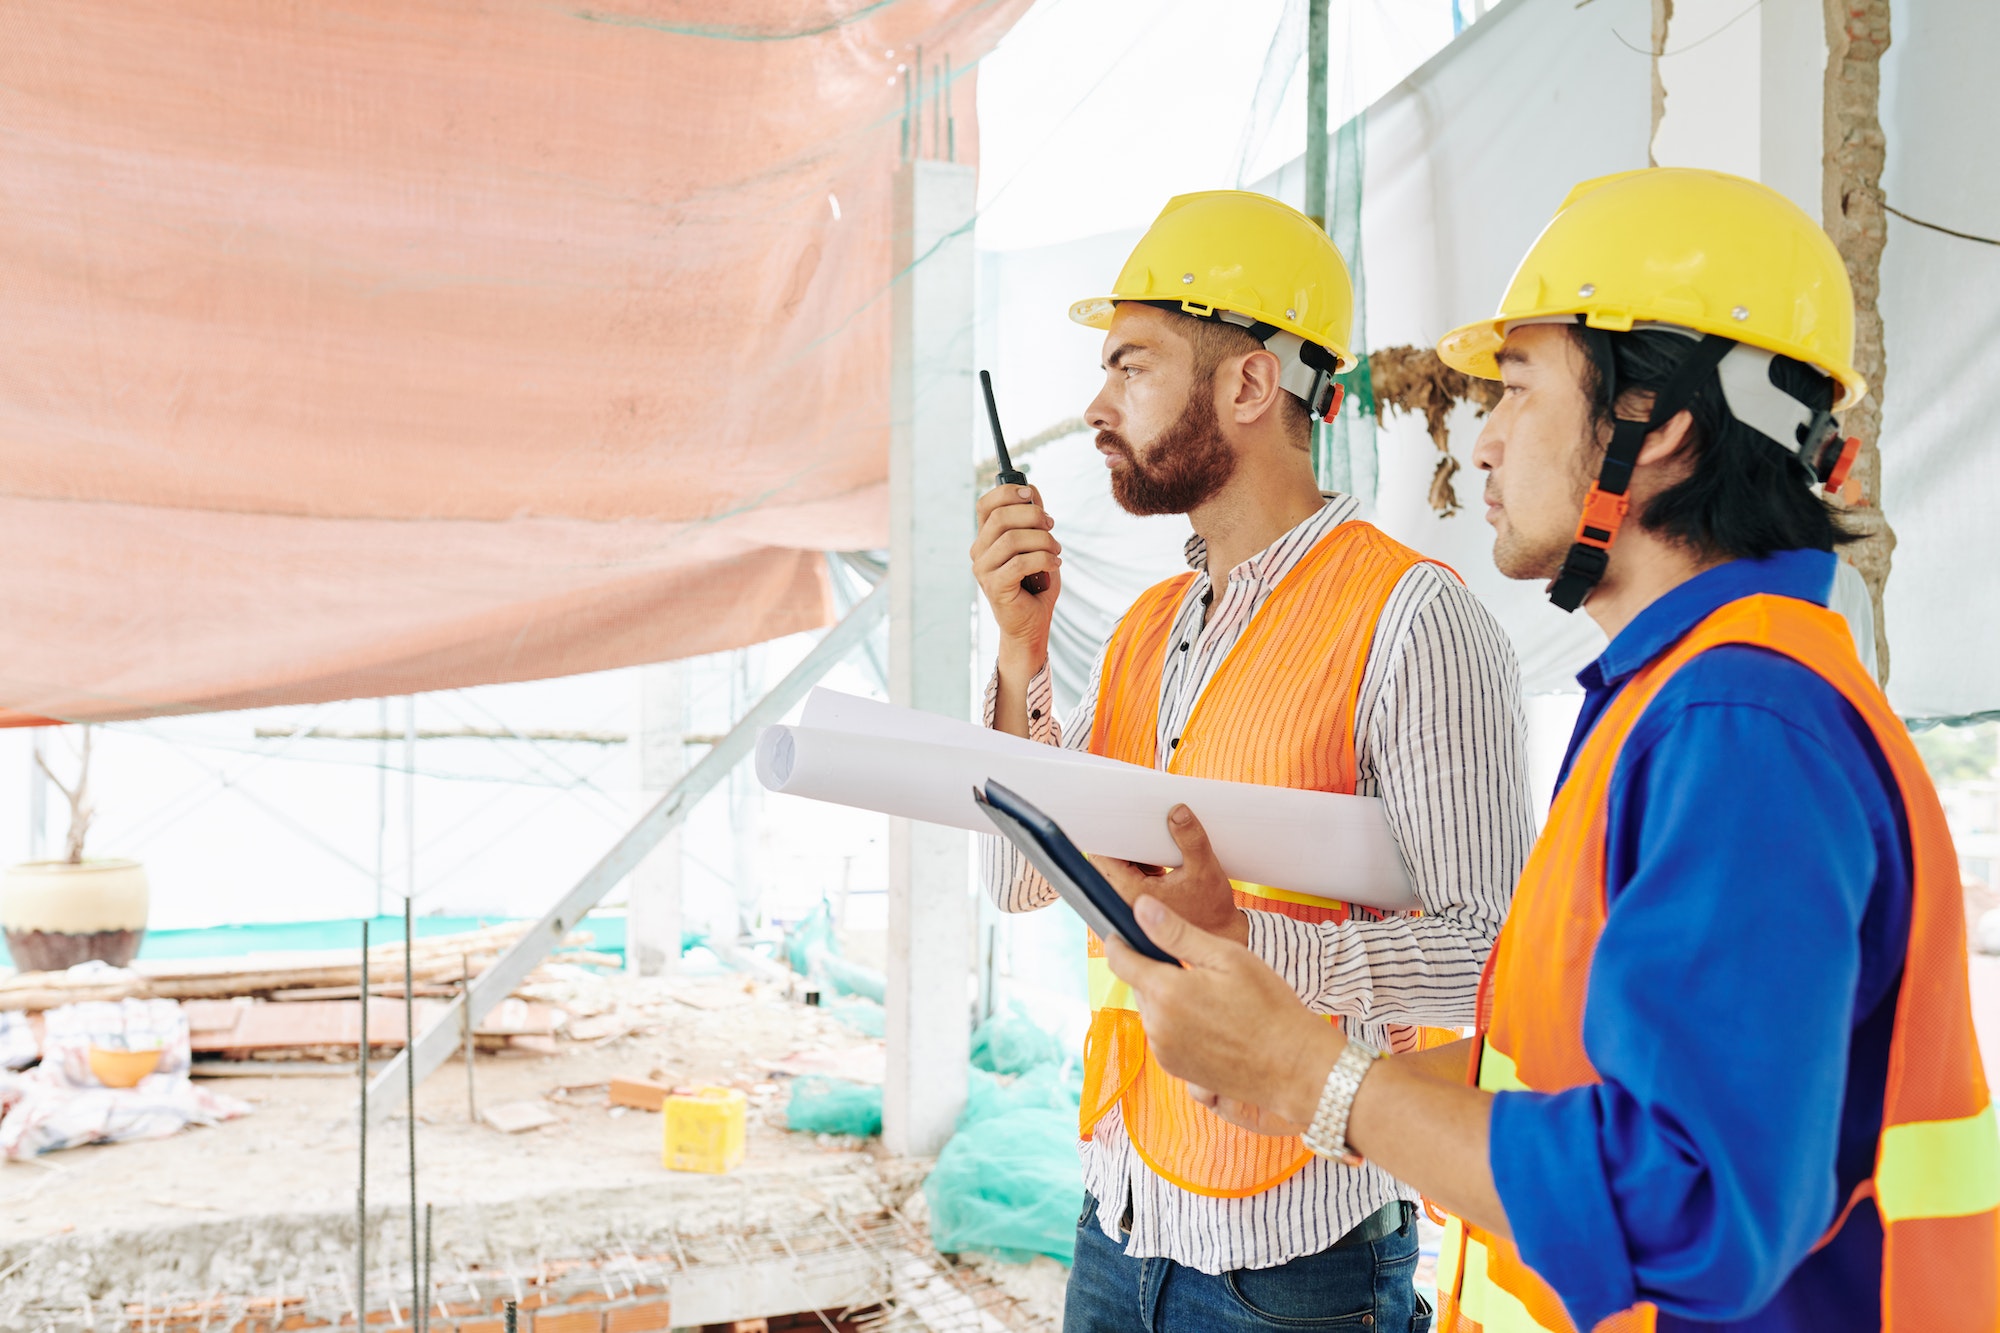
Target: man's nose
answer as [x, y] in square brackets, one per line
[1490, 445]
[1100, 415]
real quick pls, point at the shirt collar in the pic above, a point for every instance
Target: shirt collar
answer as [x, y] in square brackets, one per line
[1266, 563]
[1804, 575]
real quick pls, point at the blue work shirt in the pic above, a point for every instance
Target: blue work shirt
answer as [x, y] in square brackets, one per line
[1741, 998]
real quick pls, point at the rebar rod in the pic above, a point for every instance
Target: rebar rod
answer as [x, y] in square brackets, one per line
[430, 1285]
[361, 1190]
[465, 1004]
[410, 1084]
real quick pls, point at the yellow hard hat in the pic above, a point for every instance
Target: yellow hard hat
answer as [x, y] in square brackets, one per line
[1243, 253]
[1676, 245]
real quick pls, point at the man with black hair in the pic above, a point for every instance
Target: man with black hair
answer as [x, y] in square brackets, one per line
[1725, 1074]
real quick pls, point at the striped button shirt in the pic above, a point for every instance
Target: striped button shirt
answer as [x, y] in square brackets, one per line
[1440, 737]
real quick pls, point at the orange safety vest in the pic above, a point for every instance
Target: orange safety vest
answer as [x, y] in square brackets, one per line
[1278, 711]
[1936, 1182]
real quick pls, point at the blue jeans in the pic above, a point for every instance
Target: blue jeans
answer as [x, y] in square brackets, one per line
[1363, 1287]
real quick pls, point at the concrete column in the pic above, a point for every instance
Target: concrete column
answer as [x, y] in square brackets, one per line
[1786, 94]
[930, 641]
[1743, 92]
[653, 895]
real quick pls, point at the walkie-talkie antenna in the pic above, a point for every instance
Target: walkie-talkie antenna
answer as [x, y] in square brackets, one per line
[1010, 475]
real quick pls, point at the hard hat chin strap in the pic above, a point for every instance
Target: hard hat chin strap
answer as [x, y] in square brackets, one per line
[1605, 507]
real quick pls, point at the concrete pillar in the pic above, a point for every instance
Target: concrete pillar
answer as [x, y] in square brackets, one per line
[1742, 92]
[653, 895]
[1857, 36]
[1787, 94]
[930, 641]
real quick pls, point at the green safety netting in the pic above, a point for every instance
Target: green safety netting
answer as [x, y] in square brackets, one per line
[1010, 1043]
[860, 1013]
[1009, 1182]
[834, 1106]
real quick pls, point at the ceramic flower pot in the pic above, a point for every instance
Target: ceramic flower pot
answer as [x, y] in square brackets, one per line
[57, 915]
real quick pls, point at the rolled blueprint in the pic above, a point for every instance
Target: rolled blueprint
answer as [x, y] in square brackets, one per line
[875, 756]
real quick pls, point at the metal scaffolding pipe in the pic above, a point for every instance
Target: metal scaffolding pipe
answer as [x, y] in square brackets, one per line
[438, 1041]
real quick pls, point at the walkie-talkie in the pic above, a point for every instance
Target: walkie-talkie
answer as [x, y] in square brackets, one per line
[1010, 475]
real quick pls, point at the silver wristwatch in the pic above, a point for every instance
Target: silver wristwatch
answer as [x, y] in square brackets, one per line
[1328, 1135]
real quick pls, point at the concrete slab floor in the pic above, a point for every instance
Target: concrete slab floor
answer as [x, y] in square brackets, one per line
[297, 1150]
[266, 1203]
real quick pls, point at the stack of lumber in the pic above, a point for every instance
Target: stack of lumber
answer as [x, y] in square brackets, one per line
[438, 964]
[331, 1029]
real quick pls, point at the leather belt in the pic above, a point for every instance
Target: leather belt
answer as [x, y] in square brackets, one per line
[1387, 1220]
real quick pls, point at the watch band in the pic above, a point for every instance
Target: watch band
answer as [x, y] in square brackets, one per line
[1328, 1135]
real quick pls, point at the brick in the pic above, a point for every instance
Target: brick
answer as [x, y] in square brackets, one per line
[642, 1093]
[480, 1325]
[649, 1317]
[569, 1321]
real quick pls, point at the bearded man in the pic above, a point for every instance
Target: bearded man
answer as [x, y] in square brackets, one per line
[1304, 648]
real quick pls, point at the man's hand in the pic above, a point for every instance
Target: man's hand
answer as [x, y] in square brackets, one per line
[1224, 1020]
[1198, 891]
[1015, 541]
[1232, 1028]
[1242, 1114]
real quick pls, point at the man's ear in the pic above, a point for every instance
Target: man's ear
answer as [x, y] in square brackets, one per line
[1669, 442]
[1257, 387]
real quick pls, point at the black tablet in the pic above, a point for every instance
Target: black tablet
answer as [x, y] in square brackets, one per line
[1050, 851]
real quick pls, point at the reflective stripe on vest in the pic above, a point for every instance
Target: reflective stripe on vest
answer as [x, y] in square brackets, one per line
[1279, 710]
[1482, 1306]
[1937, 1176]
[1108, 992]
[1939, 1168]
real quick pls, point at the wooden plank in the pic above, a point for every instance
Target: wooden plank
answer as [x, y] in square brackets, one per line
[305, 1025]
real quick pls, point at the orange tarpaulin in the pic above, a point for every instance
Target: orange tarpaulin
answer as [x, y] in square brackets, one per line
[365, 348]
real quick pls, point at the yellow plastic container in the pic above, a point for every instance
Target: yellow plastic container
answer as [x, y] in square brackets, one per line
[703, 1131]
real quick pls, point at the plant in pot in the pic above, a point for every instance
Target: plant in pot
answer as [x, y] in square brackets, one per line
[61, 913]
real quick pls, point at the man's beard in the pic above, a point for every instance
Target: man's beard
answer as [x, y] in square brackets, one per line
[1184, 469]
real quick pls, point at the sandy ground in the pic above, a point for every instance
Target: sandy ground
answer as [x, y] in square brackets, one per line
[269, 1199]
[266, 1203]
[297, 1150]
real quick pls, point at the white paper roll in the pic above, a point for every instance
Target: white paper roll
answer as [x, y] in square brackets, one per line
[874, 756]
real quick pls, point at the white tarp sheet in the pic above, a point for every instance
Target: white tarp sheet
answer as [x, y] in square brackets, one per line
[1941, 311]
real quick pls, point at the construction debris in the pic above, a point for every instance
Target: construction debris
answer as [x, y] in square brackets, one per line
[801, 1224]
[109, 1073]
[435, 960]
[640, 1093]
[518, 1117]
